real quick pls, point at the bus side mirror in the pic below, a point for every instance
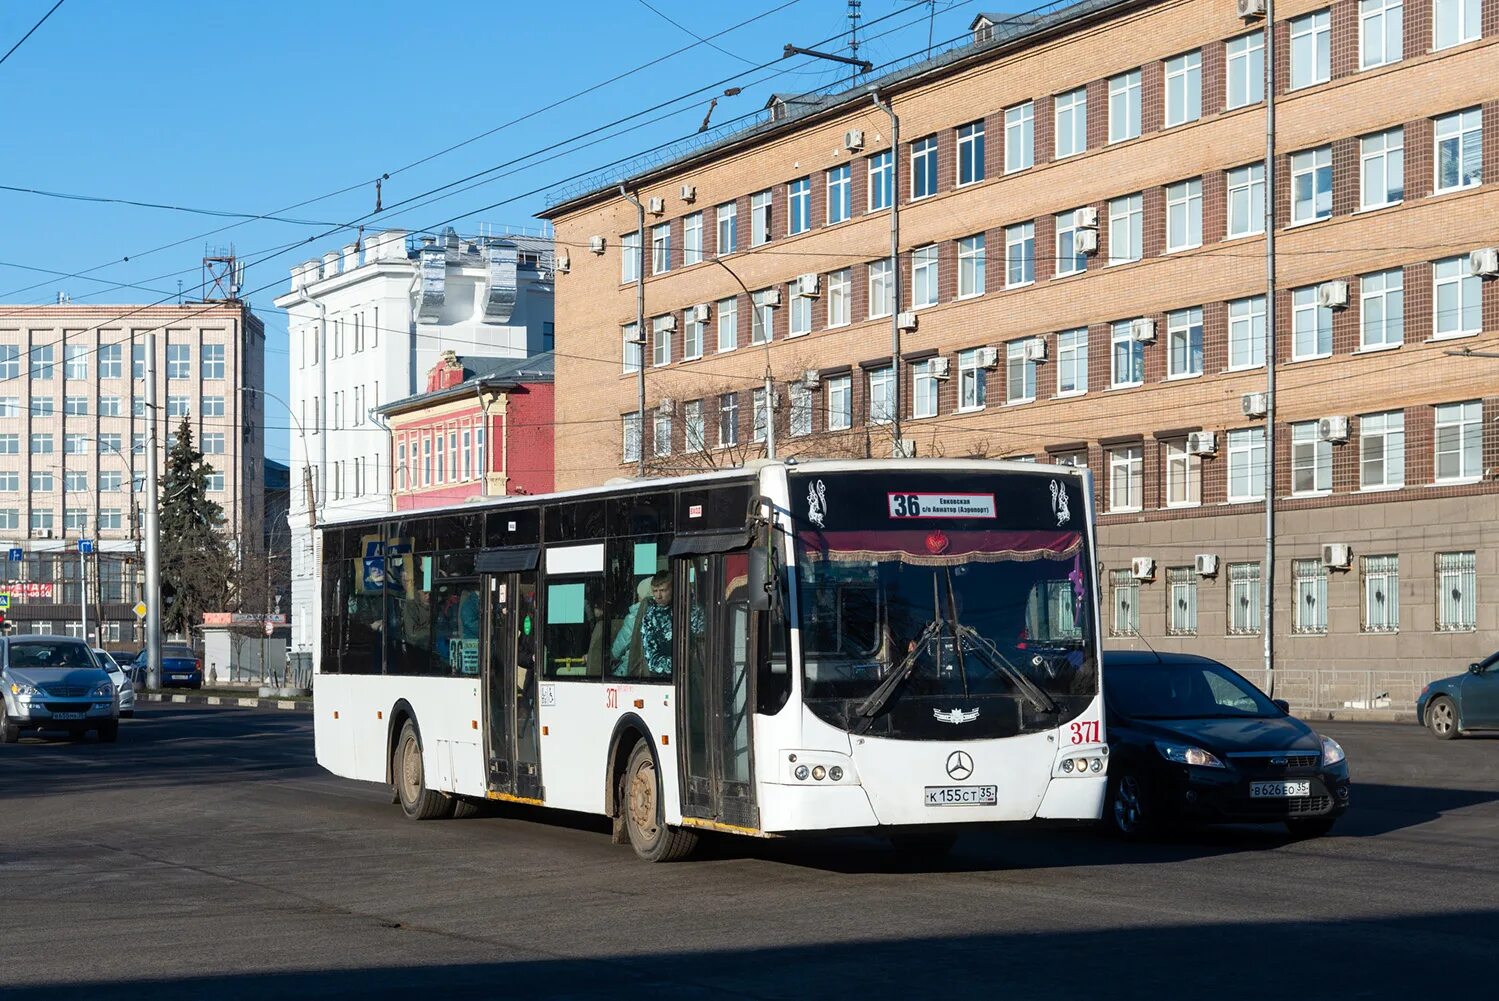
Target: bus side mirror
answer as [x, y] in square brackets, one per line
[761, 582]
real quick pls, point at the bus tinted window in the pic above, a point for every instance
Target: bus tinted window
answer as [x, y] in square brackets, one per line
[513, 526]
[456, 629]
[574, 640]
[409, 615]
[459, 532]
[364, 608]
[581, 521]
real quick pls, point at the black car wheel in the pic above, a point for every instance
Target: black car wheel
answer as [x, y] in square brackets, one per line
[1441, 717]
[1127, 812]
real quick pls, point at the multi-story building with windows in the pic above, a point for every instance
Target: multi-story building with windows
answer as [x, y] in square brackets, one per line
[366, 324]
[73, 439]
[1083, 267]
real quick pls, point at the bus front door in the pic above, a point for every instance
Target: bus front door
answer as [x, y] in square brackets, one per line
[510, 686]
[713, 689]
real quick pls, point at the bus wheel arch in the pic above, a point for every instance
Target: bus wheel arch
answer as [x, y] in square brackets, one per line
[407, 767]
[399, 714]
[628, 731]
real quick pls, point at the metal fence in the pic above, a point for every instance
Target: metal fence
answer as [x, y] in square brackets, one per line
[1315, 688]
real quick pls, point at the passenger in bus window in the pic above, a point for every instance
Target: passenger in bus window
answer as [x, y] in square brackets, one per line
[643, 646]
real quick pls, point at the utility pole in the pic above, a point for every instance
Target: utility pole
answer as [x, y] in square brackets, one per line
[83, 587]
[900, 448]
[153, 525]
[639, 326]
[1267, 603]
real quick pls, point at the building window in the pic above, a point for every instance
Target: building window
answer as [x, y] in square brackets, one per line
[1459, 150]
[1246, 332]
[840, 400]
[881, 395]
[1381, 593]
[1126, 594]
[1020, 254]
[1072, 361]
[42, 481]
[75, 444]
[1070, 260]
[728, 229]
[1183, 89]
[923, 276]
[762, 317]
[1311, 49]
[75, 406]
[881, 180]
[1382, 309]
[692, 337]
[41, 444]
[1457, 592]
[800, 423]
[1126, 229]
[1183, 475]
[109, 519]
[10, 481]
[971, 266]
[661, 329]
[1246, 200]
[1309, 584]
[1311, 460]
[179, 361]
[75, 482]
[1184, 342]
[759, 218]
[1020, 374]
[1184, 215]
[10, 362]
[1124, 106]
[1382, 167]
[924, 384]
[799, 206]
[1457, 298]
[880, 289]
[1127, 357]
[1246, 69]
[1311, 325]
[1020, 131]
[692, 239]
[728, 419]
[10, 519]
[1246, 464]
[1457, 21]
[1382, 450]
[924, 167]
[213, 361]
[840, 195]
[694, 430]
[1311, 185]
[840, 295]
[630, 435]
[1381, 33]
[661, 248]
[728, 324]
[1181, 617]
[973, 380]
[1243, 599]
[971, 153]
[42, 406]
[661, 436]
[41, 519]
[177, 406]
[1459, 441]
[629, 257]
[1126, 478]
[110, 443]
[113, 406]
[138, 360]
[799, 315]
[1072, 122]
[109, 361]
[630, 347]
[43, 361]
[75, 361]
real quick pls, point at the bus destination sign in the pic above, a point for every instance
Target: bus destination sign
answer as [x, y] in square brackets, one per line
[917, 505]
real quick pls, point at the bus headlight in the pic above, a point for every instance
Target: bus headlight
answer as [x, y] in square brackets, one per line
[801, 772]
[819, 773]
[835, 773]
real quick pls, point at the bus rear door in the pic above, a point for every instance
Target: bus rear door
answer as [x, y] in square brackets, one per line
[510, 685]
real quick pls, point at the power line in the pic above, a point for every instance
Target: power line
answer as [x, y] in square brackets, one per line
[28, 34]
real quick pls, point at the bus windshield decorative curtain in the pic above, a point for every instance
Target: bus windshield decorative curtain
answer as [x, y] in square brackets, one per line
[508, 559]
[939, 547]
[708, 543]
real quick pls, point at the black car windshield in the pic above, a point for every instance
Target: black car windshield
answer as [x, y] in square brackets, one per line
[1191, 690]
[44, 655]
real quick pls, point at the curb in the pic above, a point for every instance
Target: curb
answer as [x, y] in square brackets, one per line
[250, 702]
[1355, 715]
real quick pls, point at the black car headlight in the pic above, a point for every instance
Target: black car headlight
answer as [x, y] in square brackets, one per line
[1187, 754]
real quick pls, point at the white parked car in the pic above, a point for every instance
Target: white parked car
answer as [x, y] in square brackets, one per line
[123, 685]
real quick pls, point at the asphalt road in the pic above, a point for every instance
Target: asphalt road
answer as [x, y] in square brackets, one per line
[205, 856]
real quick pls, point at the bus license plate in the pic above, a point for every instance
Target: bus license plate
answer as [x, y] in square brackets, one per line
[1279, 790]
[962, 795]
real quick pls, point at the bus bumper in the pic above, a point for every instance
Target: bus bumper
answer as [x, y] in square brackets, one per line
[1072, 798]
[808, 808]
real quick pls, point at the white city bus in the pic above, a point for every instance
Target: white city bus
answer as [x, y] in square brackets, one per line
[897, 647]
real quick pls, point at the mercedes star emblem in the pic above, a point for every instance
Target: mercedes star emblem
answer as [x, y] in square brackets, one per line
[959, 766]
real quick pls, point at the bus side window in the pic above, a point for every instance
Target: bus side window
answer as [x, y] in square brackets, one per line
[456, 628]
[574, 637]
[637, 570]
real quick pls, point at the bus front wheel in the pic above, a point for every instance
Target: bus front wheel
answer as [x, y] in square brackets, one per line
[641, 803]
[417, 801]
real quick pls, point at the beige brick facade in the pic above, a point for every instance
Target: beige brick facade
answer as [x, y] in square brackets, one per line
[1220, 278]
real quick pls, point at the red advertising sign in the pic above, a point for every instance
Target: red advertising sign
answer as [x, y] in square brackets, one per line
[30, 589]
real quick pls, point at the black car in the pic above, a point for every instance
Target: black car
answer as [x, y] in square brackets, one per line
[1191, 740]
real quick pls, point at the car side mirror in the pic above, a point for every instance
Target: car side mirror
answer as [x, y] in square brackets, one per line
[1475, 668]
[1282, 705]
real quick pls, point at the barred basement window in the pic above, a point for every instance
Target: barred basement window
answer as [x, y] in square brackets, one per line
[1126, 594]
[1181, 619]
[1381, 594]
[1309, 584]
[1243, 599]
[1457, 592]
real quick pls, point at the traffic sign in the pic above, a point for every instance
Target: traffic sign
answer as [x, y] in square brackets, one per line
[85, 547]
[17, 554]
[4, 602]
[270, 627]
[139, 609]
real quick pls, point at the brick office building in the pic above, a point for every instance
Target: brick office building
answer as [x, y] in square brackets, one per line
[1082, 246]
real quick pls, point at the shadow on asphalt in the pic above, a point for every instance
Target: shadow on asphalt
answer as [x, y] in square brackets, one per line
[1228, 960]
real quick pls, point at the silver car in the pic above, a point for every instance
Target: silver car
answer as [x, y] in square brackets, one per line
[124, 687]
[54, 683]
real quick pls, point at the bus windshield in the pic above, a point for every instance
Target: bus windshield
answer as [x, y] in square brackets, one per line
[952, 623]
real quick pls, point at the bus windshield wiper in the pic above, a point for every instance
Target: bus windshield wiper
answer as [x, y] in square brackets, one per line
[878, 698]
[989, 652]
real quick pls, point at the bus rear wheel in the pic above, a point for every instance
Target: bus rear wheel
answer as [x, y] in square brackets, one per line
[417, 801]
[641, 803]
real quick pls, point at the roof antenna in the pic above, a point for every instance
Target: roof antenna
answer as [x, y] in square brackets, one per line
[1135, 632]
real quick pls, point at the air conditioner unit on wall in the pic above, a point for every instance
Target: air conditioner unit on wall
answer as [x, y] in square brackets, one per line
[853, 140]
[1202, 443]
[1085, 241]
[1142, 568]
[940, 368]
[1207, 564]
[906, 320]
[596, 244]
[988, 357]
[1143, 330]
[564, 264]
[1337, 555]
[769, 297]
[1484, 262]
[811, 378]
[1250, 10]
[1085, 217]
[657, 206]
[667, 405]
[1253, 404]
[701, 312]
[1333, 429]
[807, 285]
[670, 321]
[689, 193]
[1332, 295]
[1034, 349]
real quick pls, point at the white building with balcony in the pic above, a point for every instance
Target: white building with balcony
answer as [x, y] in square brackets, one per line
[365, 325]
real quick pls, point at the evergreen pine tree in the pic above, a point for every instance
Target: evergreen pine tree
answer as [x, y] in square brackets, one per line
[196, 561]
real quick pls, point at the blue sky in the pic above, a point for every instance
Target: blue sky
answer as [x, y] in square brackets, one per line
[251, 107]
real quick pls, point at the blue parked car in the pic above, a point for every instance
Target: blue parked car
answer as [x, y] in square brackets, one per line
[1462, 703]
